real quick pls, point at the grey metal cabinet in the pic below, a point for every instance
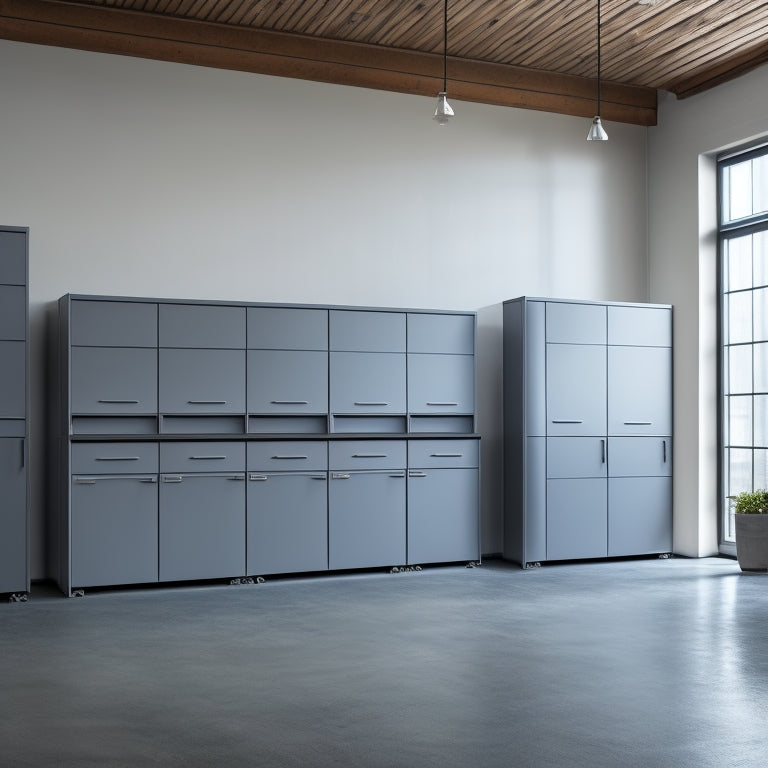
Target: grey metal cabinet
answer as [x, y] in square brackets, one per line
[443, 501]
[587, 419]
[14, 426]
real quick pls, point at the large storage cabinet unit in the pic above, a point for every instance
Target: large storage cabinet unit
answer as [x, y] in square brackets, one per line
[14, 424]
[588, 430]
[205, 440]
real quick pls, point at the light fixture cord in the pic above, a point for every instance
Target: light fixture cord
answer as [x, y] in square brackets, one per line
[598, 58]
[445, 47]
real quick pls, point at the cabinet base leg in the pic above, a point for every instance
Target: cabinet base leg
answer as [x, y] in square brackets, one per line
[406, 569]
[77, 593]
[18, 597]
[666, 556]
[243, 580]
[473, 564]
[534, 564]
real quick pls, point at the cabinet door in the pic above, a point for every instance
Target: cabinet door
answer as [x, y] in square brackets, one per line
[202, 526]
[13, 312]
[441, 334]
[113, 323]
[114, 530]
[13, 516]
[640, 456]
[577, 457]
[577, 519]
[576, 389]
[197, 326]
[362, 382]
[442, 515]
[202, 381]
[441, 384]
[287, 328]
[363, 331]
[575, 323]
[13, 258]
[287, 381]
[366, 519]
[640, 326]
[12, 379]
[287, 522]
[639, 515]
[639, 390]
[107, 380]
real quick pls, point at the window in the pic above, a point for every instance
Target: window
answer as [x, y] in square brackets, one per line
[743, 193]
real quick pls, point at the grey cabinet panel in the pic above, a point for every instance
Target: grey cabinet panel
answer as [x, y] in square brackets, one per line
[640, 326]
[639, 399]
[13, 258]
[13, 312]
[202, 381]
[441, 384]
[287, 523]
[443, 453]
[639, 515]
[287, 328]
[639, 456]
[366, 519]
[13, 516]
[441, 334]
[286, 455]
[577, 457]
[114, 530]
[202, 526]
[577, 519]
[113, 458]
[576, 389]
[367, 383]
[200, 326]
[367, 454]
[364, 331]
[576, 323]
[113, 323]
[443, 515]
[533, 520]
[107, 380]
[532, 357]
[202, 456]
[13, 379]
[287, 382]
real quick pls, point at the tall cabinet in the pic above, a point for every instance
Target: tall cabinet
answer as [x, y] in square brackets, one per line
[14, 425]
[206, 440]
[588, 429]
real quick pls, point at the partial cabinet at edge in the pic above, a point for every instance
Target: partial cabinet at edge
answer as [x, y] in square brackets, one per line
[588, 425]
[14, 430]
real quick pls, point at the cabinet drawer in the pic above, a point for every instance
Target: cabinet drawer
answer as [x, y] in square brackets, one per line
[575, 323]
[202, 381]
[577, 457]
[367, 454]
[287, 328]
[443, 453]
[639, 456]
[202, 456]
[13, 258]
[287, 381]
[640, 326]
[114, 458]
[201, 326]
[111, 381]
[13, 312]
[360, 331]
[113, 324]
[441, 334]
[288, 455]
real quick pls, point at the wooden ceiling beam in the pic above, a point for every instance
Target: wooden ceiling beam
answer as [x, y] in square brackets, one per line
[144, 35]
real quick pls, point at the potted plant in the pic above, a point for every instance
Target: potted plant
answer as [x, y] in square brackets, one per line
[751, 508]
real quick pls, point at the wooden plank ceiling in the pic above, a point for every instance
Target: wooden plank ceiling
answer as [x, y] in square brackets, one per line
[537, 54]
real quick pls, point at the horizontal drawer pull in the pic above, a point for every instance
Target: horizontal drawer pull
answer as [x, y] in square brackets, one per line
[172, 478]
[398, 474]
[120, 402]
[638, 423]
[289, 402]
[444, 404]
[362, 402]
[446, 455]
[288, 457]
[207, 402]
[567, 421]
[94, 480]
[236, 477]
[206, 458]
[319, 477]
[85, 480]
[259, 478]
[369, 455]
[340, 476]
[416, 474]
[117, 458]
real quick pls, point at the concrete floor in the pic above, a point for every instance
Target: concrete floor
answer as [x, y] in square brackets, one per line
[634, 663]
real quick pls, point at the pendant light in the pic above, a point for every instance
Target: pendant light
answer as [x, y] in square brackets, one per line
[444, 111]
[596, 130]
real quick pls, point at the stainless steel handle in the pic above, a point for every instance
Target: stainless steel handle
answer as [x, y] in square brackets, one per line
[85, 480]
[116, 458]
[23, 452]
[289, 402]
[260, 478]
[172, 478]
[443, 404]
[361, 402]
[120, 402]
[638, 423]
[236, 477]
[398, 474]
[319, 477]
[664, 450]
[205, 458]
[369, 455]
[147, 479]
[567, 421]
[207, 402]
[446, 455]
[602, 450]
[416, 474]
[340, 476]
[289, 457]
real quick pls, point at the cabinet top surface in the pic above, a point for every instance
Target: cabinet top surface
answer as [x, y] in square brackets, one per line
[556, 300]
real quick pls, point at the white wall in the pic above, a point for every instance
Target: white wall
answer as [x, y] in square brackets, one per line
[152, 179]
[682, 243]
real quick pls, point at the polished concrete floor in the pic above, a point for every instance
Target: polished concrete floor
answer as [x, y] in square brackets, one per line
[634, 663]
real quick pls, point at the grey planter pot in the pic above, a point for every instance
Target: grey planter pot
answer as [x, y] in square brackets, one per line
[752, 542]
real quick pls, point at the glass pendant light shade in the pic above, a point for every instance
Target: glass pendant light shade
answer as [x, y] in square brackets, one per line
[443, 111]
[596, 131]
